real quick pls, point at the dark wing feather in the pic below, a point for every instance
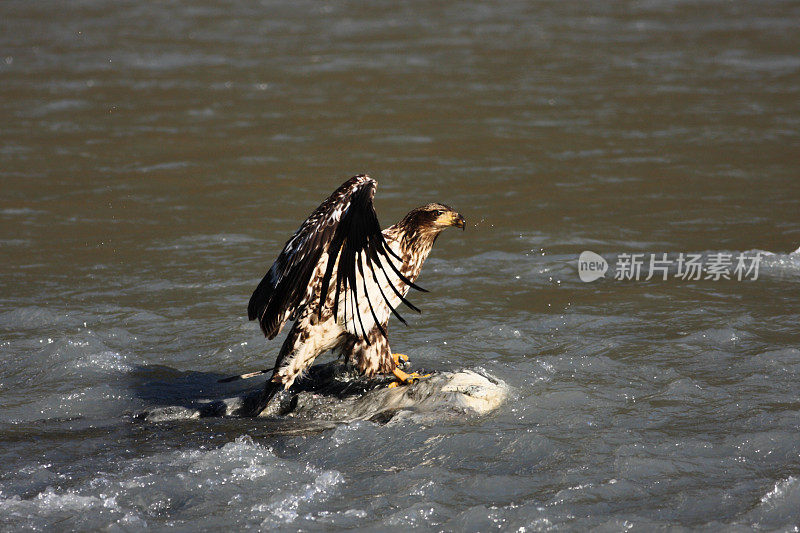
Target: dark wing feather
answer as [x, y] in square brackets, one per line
[345, 227]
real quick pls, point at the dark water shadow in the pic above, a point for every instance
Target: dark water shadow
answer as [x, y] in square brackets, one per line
[161, 386]
[171, 394]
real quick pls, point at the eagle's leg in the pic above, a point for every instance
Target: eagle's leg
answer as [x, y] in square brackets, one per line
[371, 356]
[375, 357]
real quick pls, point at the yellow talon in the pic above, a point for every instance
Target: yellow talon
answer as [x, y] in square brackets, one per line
[397, 356]
[404, 378]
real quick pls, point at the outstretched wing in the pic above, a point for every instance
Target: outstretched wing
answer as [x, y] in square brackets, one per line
[344, 233]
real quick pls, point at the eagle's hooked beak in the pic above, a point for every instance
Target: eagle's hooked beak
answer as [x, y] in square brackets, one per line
[459, 222]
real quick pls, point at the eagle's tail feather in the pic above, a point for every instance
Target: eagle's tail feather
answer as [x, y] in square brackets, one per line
[248, 375]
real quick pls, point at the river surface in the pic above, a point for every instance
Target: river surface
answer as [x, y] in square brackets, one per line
[155, 156]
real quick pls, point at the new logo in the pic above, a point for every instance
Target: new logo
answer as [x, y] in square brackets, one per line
[591, 266]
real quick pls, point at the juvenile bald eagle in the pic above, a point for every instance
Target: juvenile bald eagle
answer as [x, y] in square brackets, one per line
[340, 278]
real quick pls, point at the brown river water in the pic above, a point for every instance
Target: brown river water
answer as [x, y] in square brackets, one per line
[155, 156]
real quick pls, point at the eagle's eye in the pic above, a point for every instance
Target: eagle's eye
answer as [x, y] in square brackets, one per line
[439, 212]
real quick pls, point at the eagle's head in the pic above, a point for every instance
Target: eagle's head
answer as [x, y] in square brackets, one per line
[432, 219]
